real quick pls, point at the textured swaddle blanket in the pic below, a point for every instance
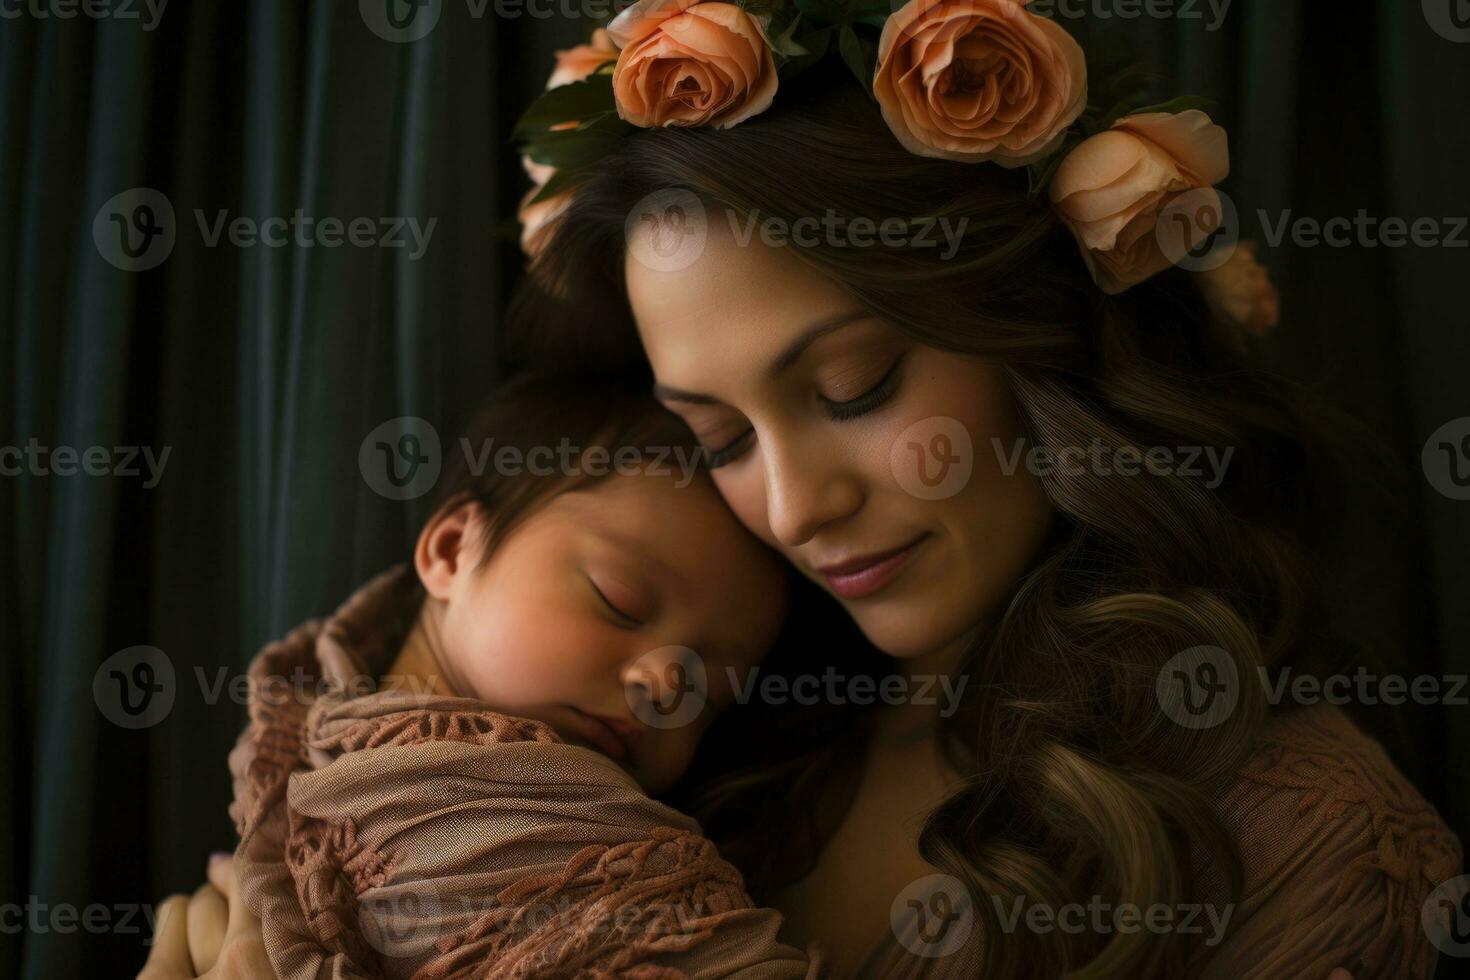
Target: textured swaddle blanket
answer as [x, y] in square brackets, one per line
[389, 833]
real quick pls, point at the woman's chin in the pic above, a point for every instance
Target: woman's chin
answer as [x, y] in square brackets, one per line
[912, 631]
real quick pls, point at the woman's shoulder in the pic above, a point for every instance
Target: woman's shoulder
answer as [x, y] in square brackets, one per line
[1313, 772]
[1318, 747]
[1339, 852]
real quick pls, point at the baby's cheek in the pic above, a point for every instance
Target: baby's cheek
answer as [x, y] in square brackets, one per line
[499, 655]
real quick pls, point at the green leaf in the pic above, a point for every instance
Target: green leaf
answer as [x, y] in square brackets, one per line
[861, 10]
[815, 44]
[761, 8]
[575, 100]
[871, 13]
[825, 11]
[785, 43]
[598, 120]
[859, 54]
[573, 147]
[1039, 174]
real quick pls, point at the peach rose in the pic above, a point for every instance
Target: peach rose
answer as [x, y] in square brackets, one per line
[1240, 292]
[536, 217]
[572, 65]
[688, 63]
[575, 64]
[1111, 188]
[978, 80]
[539, 173]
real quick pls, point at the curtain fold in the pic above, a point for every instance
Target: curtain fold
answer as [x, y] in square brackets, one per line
[261, 369]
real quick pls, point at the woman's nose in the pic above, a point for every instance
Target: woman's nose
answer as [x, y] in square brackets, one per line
[807, 487]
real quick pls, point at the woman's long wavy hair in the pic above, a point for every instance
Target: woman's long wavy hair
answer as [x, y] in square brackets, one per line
[1077, 784]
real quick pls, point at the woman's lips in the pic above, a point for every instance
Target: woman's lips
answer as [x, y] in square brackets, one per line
[860, 577]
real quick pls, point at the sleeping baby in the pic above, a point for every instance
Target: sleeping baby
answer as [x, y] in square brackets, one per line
[451, 775]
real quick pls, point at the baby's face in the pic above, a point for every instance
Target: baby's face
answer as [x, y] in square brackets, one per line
[586, 613]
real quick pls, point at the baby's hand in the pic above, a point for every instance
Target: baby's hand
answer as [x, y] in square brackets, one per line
[211, 935]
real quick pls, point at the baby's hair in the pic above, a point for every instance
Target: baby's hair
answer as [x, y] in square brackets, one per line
[542, 424]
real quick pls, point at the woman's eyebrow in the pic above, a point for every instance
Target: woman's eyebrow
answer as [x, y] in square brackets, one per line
[793, 351]
[667, 394]
[783, 361]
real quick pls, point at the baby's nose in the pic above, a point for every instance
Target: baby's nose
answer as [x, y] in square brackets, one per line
[667, 686]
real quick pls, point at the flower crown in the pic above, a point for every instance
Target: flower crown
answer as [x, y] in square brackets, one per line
[977, 81]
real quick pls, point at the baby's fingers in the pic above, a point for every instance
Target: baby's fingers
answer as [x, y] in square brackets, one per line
[222, 877]
[169, 957]
[208, 919]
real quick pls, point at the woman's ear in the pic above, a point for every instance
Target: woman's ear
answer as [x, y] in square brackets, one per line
[447, 546]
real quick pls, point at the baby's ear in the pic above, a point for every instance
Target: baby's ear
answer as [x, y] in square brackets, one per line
[448, 546]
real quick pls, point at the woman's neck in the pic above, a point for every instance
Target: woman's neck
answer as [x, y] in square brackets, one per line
[937, 680]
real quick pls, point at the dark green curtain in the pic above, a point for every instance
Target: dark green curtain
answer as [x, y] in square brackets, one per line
[261, 369]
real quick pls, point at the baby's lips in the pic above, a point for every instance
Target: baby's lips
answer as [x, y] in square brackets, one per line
[616, 737]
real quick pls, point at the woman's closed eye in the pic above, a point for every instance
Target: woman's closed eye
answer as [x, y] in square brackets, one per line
[715, 458]
[871, 398]
[839, 410]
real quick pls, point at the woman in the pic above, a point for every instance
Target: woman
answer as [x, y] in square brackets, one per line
[978, 446]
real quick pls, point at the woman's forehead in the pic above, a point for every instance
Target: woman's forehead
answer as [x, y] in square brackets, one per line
[747, 287]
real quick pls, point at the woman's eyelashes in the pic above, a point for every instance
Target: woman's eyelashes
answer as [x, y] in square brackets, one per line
[715, 458]
[877, 395]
